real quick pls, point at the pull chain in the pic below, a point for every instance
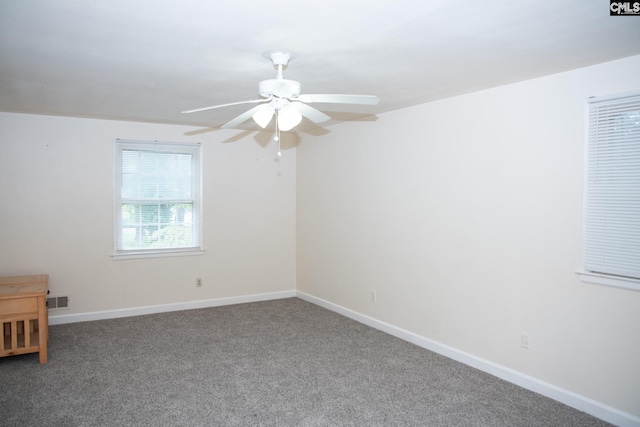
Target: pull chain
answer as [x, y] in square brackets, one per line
[277, 137]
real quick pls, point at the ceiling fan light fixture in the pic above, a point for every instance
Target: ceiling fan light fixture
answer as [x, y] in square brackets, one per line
[263, 116]
[281, 97]
[288, 118]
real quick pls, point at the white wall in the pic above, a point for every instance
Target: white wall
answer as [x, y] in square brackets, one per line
[465, 216]
[56, 214]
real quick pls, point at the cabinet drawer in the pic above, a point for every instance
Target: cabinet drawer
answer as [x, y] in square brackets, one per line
[18, 305]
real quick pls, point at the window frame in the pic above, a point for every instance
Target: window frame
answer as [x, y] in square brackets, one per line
[195, 149]
[586, 274]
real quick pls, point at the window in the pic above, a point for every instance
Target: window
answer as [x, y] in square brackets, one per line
[157, 199]
[612, 191]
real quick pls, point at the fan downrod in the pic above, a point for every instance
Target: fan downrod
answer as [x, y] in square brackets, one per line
[279, 88]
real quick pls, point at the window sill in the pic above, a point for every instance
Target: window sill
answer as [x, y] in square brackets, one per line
[156, 254]
[609, 280]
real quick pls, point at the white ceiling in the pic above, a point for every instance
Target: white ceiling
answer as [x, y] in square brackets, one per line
[147, 60]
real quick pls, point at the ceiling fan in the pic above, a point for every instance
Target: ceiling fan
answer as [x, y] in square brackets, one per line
[281, 98]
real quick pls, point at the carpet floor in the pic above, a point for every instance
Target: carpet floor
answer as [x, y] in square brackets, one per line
[275, 363]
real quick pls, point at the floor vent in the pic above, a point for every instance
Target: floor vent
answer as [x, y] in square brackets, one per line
[58, 303]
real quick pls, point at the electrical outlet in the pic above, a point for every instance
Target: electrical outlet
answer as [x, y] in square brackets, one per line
[524, 340]
[373, 296]
[198, 282]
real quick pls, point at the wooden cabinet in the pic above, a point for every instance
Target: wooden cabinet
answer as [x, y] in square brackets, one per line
[23, 315]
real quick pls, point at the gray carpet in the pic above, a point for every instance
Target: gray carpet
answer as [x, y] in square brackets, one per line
[276, 363]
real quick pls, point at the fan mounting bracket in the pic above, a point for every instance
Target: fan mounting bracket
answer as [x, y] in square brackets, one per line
[279, 57]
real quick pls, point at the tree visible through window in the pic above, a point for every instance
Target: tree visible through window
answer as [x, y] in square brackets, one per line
[157, 197]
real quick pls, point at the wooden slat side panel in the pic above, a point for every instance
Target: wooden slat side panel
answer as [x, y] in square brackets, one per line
[23, 315]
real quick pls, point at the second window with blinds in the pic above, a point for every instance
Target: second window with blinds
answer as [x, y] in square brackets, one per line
[612, 192]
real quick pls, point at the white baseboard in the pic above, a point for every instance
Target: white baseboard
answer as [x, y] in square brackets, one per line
[138, 311]
[581, 403]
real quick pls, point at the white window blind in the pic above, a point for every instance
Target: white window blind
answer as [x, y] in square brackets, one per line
[612, 191]
[157, 197]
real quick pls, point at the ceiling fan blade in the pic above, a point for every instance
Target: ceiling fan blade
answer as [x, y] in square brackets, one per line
[339, 99]
[310, 113]
[243, 117]
[251, 101]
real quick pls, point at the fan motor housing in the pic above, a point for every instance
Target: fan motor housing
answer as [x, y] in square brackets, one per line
[280, 88]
